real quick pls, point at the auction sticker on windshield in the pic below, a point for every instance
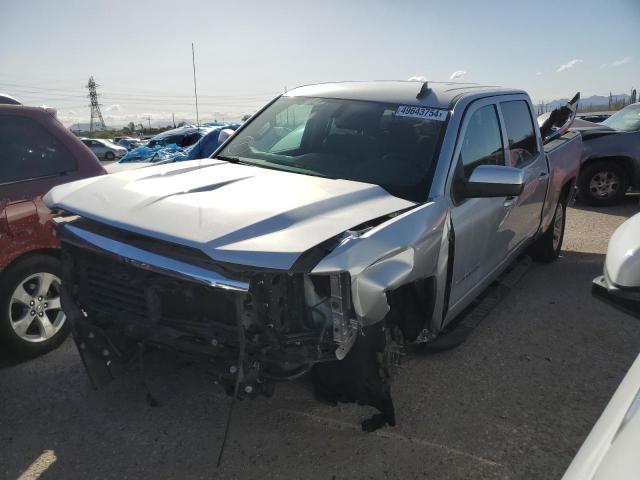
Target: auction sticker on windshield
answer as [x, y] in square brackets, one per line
[421, 112]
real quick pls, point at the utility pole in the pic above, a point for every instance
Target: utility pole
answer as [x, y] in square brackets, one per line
[96, 114]
[195, 88]
[173, 119]
[149, 122]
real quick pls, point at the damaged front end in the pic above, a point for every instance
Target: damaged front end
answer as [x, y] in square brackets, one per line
[118, 295]
[251, 326]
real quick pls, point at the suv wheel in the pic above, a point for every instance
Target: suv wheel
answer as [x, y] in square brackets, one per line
[602, 183]
[31, 318]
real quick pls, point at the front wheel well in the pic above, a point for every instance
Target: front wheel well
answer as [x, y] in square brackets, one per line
[51, 252]
[411, 306]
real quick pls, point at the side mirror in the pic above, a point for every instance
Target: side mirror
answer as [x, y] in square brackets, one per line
[493, 181]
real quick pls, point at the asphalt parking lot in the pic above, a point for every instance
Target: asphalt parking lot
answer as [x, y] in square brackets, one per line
[515, 401]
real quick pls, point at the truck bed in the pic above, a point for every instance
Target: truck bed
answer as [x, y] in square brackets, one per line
[564, 140]
[563, 157]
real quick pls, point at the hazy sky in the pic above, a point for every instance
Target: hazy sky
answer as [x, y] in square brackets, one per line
[248, 51]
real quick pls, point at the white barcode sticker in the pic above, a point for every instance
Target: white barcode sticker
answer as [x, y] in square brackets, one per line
[421, 112]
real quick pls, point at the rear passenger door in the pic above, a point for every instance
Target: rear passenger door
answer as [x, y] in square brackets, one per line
[524, 151]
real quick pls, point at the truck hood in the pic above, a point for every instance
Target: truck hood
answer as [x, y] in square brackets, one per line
[233, 213]
[591, 130]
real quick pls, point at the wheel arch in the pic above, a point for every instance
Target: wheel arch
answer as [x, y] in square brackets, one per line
[624, 161]
[51, 252]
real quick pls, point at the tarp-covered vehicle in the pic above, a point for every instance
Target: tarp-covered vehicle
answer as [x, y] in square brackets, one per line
[340, 223]
[158, 151]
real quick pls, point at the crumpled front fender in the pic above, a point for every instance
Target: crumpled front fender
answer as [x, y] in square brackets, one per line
[370, 287]
[399, 251]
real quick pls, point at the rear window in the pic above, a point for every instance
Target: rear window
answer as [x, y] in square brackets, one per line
[28, 150]
[523, 145]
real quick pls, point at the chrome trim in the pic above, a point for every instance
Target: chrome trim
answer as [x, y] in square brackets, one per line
[143, 259]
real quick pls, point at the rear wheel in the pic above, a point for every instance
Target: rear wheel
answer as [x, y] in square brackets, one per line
[547, 247]
[31, 318]
[602, 183]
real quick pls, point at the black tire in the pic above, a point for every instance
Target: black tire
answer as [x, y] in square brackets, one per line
[548, 246]
[10, 279]
[593, 179]
[109, 156]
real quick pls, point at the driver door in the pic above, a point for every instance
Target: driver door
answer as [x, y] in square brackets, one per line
[481, 242]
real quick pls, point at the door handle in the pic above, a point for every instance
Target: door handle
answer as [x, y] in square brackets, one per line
[509, 201]
[543, 176]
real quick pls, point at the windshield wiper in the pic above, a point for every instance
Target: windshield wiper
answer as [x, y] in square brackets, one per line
[228, 159]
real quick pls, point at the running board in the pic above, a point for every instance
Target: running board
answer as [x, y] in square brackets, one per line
[462, 326]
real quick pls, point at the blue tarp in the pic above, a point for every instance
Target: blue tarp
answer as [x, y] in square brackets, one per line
[159, 152]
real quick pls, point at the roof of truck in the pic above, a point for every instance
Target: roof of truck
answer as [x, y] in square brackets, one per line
[440, 94]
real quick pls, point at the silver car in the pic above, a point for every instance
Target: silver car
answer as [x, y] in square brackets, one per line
[340, 223]
[104, 149]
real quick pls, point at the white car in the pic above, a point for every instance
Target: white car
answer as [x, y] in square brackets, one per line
[104, 149]
[611, 449]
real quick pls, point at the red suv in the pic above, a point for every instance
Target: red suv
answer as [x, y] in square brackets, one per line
[36, 153]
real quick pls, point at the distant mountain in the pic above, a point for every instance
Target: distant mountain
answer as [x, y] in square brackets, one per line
[592, 101]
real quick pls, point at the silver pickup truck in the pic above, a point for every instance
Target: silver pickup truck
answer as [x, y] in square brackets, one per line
[342, 221]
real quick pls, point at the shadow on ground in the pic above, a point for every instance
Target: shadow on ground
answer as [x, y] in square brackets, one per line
[629, 206]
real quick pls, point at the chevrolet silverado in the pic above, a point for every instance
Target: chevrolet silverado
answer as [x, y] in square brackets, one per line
[341, 222]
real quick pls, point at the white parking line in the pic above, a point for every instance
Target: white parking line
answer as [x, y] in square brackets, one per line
[39, 466]
[393, 436]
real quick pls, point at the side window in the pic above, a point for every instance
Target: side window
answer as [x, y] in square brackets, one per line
[523, 145]
[28, 150]
[482, 142]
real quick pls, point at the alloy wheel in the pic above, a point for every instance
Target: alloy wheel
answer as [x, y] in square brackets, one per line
[35, 312]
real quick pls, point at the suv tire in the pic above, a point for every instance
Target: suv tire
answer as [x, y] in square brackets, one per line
[602, 183]
[31, 320]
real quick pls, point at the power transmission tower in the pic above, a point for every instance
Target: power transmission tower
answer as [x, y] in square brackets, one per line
[96, 114]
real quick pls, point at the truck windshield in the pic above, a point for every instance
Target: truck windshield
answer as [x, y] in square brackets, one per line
[627, 119]
[390, 145]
